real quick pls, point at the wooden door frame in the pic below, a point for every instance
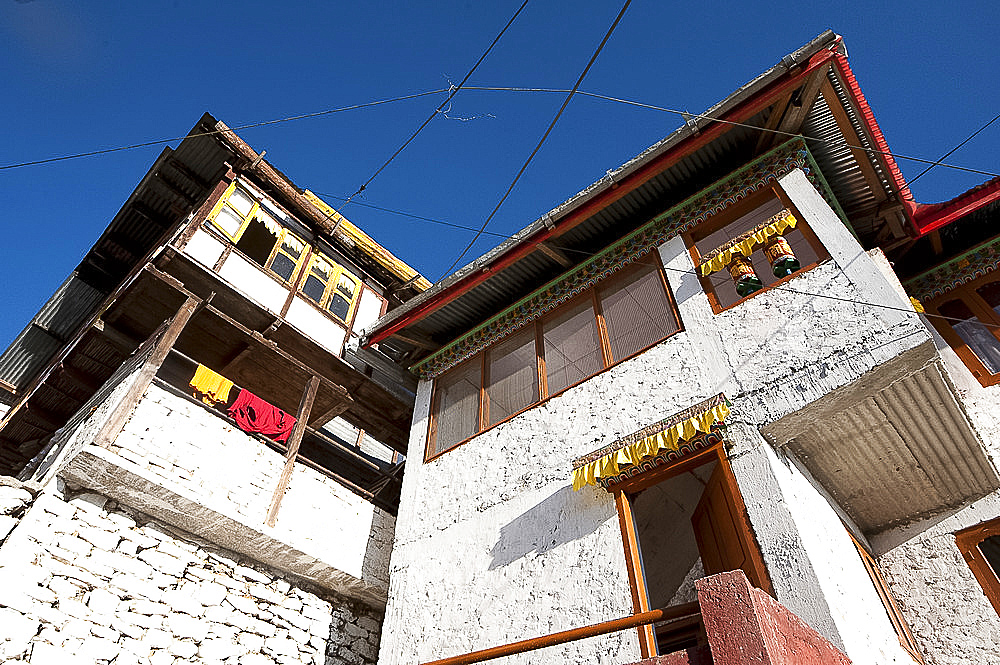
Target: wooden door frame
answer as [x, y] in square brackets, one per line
[624, 493]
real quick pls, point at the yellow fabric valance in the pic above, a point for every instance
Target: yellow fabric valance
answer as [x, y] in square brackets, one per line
[743, 245]
[649, 446]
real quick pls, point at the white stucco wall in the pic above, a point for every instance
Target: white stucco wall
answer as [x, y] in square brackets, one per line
[815, 569]
[204, 248]
[492, 544]
[252, 282]
[951, 618]
[329, 334]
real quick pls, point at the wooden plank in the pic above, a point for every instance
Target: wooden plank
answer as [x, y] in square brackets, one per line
[294, 439]
[637, 582]
[766, 138]
[114, 424]
[555, 254]
[799, 106]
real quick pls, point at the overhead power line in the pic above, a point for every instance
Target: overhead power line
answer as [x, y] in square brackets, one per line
[548, 130]
[453, 90]
[948, 154]
[250, 125]
[588, 254]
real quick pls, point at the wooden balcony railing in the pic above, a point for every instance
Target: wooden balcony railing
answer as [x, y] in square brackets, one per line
[686, 614]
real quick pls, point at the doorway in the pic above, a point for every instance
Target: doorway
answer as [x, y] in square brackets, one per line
[682, 522]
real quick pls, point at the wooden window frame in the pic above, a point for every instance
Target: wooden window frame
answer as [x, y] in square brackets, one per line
[730, 215]
[895, 615]
[968, 544]
[625, 492]
[981, 310]
[234, 238]
[330, 286]
[543, 391]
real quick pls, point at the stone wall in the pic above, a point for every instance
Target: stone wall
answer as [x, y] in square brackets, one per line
[181, 445]
[85, 580]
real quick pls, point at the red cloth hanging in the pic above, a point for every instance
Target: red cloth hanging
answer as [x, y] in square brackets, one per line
[253, 414]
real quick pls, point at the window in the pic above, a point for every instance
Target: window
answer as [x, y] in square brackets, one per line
[972, 326]
[331, 287]
[620, 317]
[257, 234]
[980, 545]
[727, 226]
[888, 601]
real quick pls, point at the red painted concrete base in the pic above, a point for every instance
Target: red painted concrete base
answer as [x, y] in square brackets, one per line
[745, 625]
[693, 656]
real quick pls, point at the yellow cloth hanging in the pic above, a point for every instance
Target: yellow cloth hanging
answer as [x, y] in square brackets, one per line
[917, 305]
[743, 245]
[209, 387]
[651, 446]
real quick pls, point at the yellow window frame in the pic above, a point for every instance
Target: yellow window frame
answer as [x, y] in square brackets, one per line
[330, 284]
[224, 203]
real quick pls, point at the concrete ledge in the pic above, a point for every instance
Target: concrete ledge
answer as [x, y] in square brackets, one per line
[104, 472]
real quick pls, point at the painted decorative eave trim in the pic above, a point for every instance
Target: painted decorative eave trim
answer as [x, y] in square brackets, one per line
[939, 280]
[680, 218]
[651, 445]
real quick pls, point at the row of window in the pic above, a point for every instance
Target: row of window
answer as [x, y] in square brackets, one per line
[618, 318]
[265, 241]
[972, 326]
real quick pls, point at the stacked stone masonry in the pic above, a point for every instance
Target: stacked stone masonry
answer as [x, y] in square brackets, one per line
[84, 580]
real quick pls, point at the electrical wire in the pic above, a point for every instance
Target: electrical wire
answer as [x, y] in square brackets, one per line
[948, 154]
[262, 123]
[452, 91]
[586, 254]
[541, 141]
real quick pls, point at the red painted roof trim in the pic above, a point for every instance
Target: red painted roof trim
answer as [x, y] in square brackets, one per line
[888, 162]
[931, 217]
[741, 112]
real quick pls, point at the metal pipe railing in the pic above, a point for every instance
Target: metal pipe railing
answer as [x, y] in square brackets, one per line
[641, 619]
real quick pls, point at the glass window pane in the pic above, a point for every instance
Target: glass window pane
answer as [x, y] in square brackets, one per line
[636, 309]
[977, 336]
[228, 221]
[292, 246]
[457, 397]
[990, 547]
[283, 266]
[314, 288]
[572, 345]
[991, 294]
[241, 201]
[346, 285]
[339, 307]
[513, 372]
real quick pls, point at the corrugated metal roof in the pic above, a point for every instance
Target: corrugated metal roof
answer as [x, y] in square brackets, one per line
[904, 453]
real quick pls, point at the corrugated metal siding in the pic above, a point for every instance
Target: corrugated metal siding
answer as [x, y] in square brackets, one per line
[906, 453]
[59, 317]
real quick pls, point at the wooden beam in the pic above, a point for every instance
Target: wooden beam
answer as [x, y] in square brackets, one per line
[46, 418]
[294, 439]
[801, 102]
[332, 412]
[936, 244]
[766, 138]
[116, 421]
[851, 138]
[555, 254]
[79, 378]
[417, 340]
[116, 337]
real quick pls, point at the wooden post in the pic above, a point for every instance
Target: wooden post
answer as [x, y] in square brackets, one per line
[114, 424]
[294, 439]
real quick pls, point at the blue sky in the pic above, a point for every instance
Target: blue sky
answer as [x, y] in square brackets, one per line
[86, 76]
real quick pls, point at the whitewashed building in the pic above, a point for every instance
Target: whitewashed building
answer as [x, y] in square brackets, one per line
[207, 465]
[605, 424]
